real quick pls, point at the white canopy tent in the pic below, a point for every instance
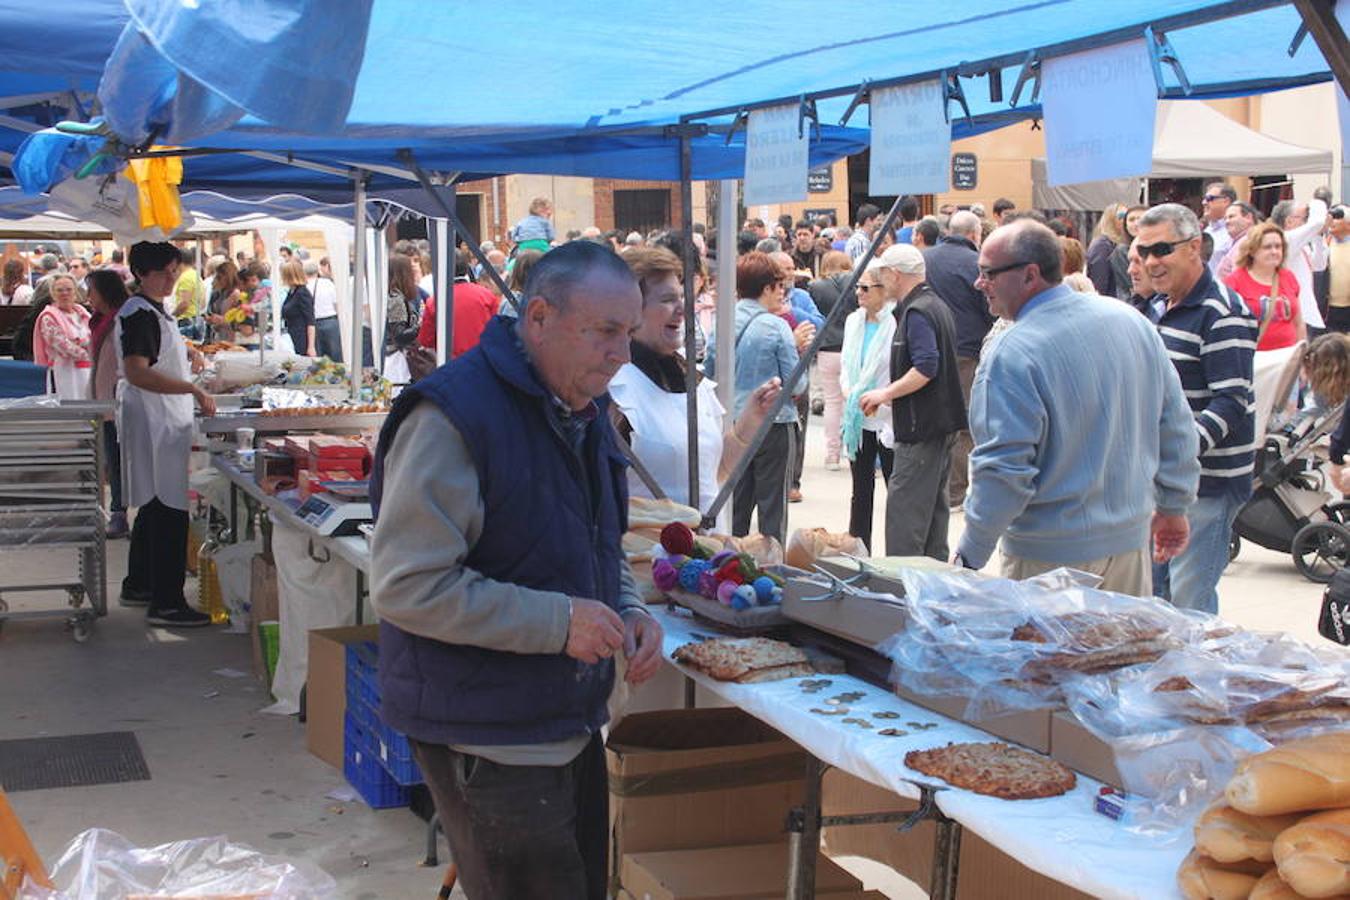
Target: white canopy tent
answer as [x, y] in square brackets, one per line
[1190, 140]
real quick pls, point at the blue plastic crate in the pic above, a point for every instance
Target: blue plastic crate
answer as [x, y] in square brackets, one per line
[396, 755]
[361, 765]
[363, 672]
[363, 714]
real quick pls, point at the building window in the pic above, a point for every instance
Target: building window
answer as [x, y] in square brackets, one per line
[642, 210]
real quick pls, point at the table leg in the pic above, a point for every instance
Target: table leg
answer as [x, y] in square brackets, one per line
[690, 693]
[804, 836]
[360, 597]
[946, 859]
[234, 512]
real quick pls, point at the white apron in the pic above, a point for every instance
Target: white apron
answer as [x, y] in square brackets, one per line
[661, 435]
[69, 381]
[155, 429]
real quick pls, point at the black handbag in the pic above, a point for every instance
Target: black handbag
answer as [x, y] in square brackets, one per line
[1334, 624]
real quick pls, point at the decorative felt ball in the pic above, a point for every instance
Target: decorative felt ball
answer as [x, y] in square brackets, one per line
[731, 571]
[677, 538]
[725, 592]
[763, 589]
[744, 598]
[777, 596]
[664, 575]
[677, 560]
[690, 572]
[720, 558]
[707, 585]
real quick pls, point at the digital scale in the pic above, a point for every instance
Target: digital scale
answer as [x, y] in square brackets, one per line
[334, 516]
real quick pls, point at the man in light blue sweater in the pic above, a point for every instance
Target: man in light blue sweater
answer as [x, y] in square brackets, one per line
[1085, 449]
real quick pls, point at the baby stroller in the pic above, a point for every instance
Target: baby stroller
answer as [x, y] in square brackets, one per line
[1291, 509]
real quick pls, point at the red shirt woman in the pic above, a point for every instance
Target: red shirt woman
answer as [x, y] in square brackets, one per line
[1269, 289]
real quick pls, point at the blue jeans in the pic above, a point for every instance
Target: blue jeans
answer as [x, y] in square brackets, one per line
[328, 337]
[1191, 580]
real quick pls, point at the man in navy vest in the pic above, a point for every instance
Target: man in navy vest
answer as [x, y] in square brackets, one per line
[501, 584]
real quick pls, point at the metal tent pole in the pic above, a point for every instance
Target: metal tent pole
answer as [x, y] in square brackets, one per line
[690, 325]
[443, 282]
[1321, 22]
[357, 367]
[725, 314]
[445, 300]
[710, 515]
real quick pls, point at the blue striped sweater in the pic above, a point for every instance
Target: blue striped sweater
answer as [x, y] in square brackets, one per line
[1211, 339]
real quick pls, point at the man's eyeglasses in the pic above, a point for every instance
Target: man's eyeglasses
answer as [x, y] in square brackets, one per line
[1211, 198]
[990, 274]
[1160, 249]
[869, 287]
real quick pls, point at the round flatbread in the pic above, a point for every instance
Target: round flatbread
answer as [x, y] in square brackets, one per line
[995, 769]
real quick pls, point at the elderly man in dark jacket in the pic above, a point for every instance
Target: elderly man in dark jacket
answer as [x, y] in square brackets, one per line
[502, 588]
[953, 265]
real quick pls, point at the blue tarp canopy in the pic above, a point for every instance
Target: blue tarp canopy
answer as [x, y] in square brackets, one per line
[562, 88]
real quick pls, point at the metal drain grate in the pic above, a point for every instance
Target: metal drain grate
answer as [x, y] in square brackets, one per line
[76, 760]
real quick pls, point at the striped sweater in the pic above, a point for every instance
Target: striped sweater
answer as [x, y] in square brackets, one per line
[1211, 339]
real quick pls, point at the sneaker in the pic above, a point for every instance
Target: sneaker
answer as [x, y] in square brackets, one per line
[794, 496]
[133, 597]
[832, 465]
[179, 617]
[117, 526]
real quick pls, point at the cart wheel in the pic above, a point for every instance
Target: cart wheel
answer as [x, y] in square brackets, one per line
[1320, 549]
[79, 629]
[1234, 546]
[1338, 511]
[76, 595]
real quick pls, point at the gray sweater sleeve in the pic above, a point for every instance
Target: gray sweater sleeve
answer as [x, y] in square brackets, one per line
[431, 515]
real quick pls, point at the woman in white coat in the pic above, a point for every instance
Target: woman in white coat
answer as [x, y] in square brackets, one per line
[154, 421]
[649, 394]
[864, 366]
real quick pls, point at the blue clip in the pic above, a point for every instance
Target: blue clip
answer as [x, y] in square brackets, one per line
[1031, 71]
[737, 123]
[952, 90]
[860, 96]
[1160, 51]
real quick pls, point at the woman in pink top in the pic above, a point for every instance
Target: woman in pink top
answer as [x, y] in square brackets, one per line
[1269, 289]
[61, 340]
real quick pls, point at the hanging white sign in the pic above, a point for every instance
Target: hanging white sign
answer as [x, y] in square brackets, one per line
[911, 140]
[1100, 107]
[775, 156]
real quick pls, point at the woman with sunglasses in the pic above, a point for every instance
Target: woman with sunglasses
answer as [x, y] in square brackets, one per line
[1268, 288]
[865, 366]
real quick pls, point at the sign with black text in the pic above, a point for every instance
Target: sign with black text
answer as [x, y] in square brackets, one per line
[775, 156]
[911, 140]
[820, 180]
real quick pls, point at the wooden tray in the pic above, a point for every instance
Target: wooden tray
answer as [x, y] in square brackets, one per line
[755, 620]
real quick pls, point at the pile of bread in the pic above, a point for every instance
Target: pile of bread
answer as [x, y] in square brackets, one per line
[1282, 831]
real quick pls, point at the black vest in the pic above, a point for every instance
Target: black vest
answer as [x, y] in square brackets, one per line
[938, 408]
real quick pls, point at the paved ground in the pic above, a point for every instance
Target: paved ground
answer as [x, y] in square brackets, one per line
[219, 766]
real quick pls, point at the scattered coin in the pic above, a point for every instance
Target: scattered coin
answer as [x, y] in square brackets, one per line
[850, 696]
[893, 732]
[814, 684]
[861, 723]
[837, 711]
[921, 726]
[885, 714]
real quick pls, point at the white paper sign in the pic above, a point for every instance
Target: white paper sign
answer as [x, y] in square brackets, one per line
[1100, 107]
[775, 156]
[911, 140]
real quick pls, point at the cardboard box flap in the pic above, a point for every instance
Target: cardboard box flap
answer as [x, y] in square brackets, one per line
[692, 729]
[724, 873]
[716, 776]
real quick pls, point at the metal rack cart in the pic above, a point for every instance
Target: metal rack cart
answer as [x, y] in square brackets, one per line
[51, 493]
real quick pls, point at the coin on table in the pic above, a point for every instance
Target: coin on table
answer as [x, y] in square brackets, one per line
[837, 711]
[893, 732]
[885, 714]
[861, 723]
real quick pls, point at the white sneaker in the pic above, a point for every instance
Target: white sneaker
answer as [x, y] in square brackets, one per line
[832, 465]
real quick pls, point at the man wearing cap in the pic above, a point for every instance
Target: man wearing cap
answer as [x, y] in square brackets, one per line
[927, 408]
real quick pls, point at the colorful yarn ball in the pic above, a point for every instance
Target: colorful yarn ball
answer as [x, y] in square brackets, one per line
[690, 572]
[763, 589]
[707, 585]
[725, 592]
[677, 538]
[743, 598]
[677, 560]
[722, 557]
[664, 575]
[776, 598]
[731, 571]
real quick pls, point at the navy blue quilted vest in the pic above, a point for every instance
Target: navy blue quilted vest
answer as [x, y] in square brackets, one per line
[543, 528]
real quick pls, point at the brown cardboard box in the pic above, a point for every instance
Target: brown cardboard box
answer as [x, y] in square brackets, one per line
[1030, 728]
[262, 598]
[1083, 751]
[860, 620]
[690, 778]
[725, 873]
[326, 689]
[987, 873]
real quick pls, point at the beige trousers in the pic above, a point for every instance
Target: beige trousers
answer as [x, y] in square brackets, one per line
[1125, 573]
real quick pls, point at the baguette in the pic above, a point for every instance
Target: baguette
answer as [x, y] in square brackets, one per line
[1309, 774]
[1201, 878]
[1314, 855]
[1227, 835]
[1272, 887]
[645, 512]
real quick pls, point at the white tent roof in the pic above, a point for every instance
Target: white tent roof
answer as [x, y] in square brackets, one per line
[1190, 140]
[58, 225]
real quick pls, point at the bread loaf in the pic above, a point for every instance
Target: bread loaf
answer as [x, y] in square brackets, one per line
[643, 512]
[1309, 774]
[1226, 835]
[810, 544]
[1314, 855]
[1201, 878]
[1272, 887]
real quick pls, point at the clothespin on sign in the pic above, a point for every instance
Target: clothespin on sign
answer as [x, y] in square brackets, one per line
[1031, 71]
[1160, 51]
[861, 96]
[737, 123]
[806, 109]
[952, 90]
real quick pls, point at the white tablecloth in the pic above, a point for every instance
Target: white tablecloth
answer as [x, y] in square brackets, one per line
[1060, 837]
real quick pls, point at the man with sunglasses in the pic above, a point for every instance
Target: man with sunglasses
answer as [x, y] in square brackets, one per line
[1214, 205]
[1085, 452]
[1211, 339]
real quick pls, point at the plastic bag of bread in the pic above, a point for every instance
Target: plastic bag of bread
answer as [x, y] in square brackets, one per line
[810, 544]
[1227, 836]
[1201, 878]
[1314, 855]
[1308, 774]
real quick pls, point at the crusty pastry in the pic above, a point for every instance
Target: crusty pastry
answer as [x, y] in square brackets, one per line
[1308, 774]
[996, 769]
[744, 659]
[1227, 835]
[1314, 855]
[1201, 878]
[1272, 887]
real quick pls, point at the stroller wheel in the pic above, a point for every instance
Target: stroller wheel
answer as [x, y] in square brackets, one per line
[1234, 546]
[1320, 549]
